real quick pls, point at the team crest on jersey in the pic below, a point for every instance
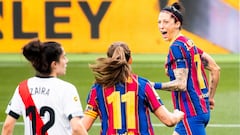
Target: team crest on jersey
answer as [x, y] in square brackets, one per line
[75, 98]
[190, 44]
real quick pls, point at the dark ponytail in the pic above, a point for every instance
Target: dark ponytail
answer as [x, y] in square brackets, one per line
[41, 55]
[179, 7]
[32, 50]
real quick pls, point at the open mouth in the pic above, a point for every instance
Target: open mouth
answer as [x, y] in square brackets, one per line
[164, 32]
[164, 35]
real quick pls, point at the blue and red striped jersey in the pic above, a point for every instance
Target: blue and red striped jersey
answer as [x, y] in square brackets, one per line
[124, 108]
[184, 54]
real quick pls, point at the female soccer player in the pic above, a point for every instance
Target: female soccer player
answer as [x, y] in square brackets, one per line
[185, 63]
[48, 105]
[123, 99]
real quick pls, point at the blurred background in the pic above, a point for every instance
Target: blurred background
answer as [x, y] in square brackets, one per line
[86, 28]
[89, 26]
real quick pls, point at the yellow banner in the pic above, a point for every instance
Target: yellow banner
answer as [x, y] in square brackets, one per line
[86, 26]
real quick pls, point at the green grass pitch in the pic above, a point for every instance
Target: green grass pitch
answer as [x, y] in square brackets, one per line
[225, 118]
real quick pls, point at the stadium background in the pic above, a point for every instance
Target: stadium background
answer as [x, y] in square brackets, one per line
[89, 26]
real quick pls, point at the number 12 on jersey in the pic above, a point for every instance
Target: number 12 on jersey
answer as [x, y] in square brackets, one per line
[116, 99]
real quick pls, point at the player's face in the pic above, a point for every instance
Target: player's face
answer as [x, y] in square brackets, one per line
[167, 26]
[61, 65]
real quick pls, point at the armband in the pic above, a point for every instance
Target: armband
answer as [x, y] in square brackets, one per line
[14, 115]
[158, 85]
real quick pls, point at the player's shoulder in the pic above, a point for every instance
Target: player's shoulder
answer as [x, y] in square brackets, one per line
[64, 83]
[180, 40]
[142, 80]
[97, 86]
[55, 83]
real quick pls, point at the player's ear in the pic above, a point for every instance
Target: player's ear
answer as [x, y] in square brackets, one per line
[53, 64]
[178, 24]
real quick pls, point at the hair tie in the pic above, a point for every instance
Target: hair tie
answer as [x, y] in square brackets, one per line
[174, 12]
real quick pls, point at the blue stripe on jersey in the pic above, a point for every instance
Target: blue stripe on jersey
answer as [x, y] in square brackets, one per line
[120, 87]
[183, 58]
[143, 107]
[102, 108]
[142, 113]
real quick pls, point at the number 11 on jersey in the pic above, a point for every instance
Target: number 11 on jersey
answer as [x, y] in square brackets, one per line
[116, 99]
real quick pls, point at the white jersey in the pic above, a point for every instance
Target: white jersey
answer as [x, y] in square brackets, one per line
[56, 101]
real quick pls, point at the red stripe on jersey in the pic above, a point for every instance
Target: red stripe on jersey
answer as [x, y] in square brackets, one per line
[174, 64]
[190, 105]
[28, 102]
[184, 55]
[154, 103]
[174, 100]
[92, 95]
[106, 92]
[150, 131]
[181, 103]
[187, 126]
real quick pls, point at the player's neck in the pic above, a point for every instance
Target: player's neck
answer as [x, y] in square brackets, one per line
[44, 75]
[176, 35]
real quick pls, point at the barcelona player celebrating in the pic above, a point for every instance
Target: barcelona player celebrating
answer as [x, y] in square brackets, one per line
[122, 99]
[185, 63]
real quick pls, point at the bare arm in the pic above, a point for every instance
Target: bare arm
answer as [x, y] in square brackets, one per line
[8, 126]
[179, 84]
[168, 118]
[77, 127]
[87, 122]
[214, 76]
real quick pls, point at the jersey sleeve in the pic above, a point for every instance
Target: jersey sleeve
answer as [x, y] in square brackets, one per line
[200, 51]
[15, 105]
[152, 97]
[72, 103]
[177, 56]
[92, 108]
